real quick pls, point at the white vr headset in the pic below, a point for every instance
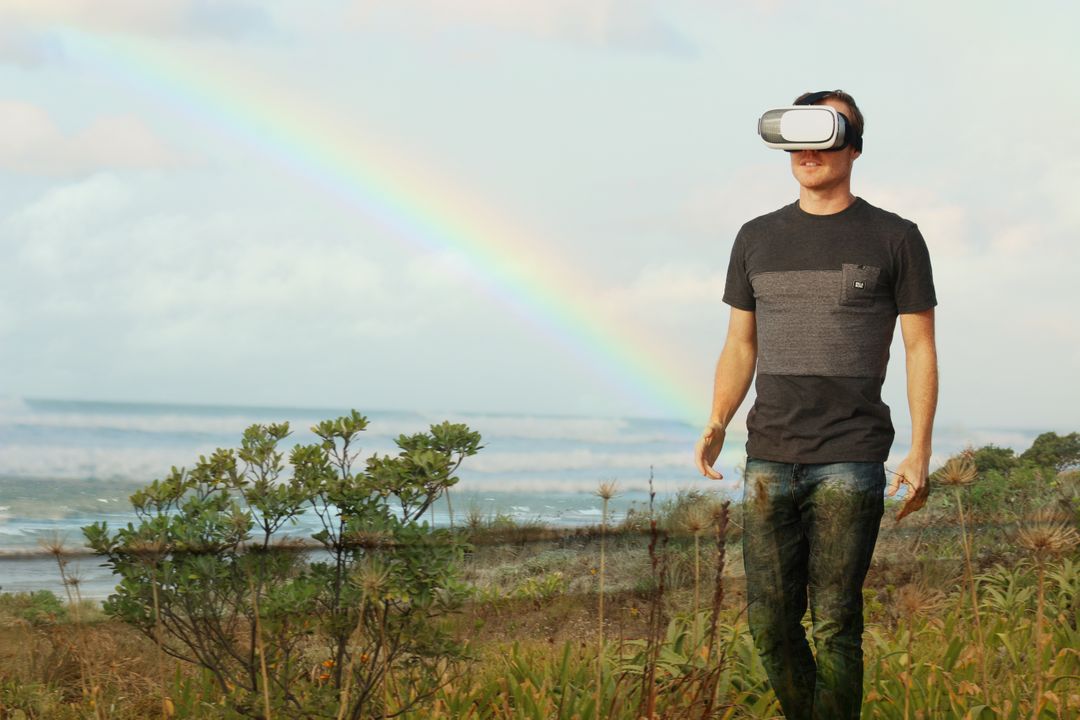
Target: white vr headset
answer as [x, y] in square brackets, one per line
[808, 127]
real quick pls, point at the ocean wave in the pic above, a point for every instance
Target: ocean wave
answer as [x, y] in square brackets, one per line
[637, 483]
[607, 431]
[231, 422]
[57, 461]
[148, 463]
[226, 426]
[600, 461]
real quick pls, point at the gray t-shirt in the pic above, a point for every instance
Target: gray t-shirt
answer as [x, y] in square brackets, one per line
[825, 290]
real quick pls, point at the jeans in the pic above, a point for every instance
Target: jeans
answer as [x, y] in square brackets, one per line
[810, 529]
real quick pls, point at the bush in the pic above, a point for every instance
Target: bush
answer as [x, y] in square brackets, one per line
[209, 574]
[1059, 452]
[40, 607]
[991, 458]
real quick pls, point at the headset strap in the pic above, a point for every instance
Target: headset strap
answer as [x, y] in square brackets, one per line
[815, 98]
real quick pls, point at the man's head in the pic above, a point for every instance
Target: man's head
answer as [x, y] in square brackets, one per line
[824, 170]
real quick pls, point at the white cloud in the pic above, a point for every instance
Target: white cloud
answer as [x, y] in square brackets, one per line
[626, 24]
[89, 251]
[115, 14]
[440, 270]
[74, 208]
[26, 49]
[120, 288]
[673, 288]
[133, 16]
[32, 143]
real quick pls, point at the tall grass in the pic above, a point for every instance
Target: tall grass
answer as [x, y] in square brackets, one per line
[1015, 655]
[960, 472]
[605, 492]
[1046, 536]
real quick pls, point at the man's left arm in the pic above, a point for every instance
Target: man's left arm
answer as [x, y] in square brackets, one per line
[920, 349]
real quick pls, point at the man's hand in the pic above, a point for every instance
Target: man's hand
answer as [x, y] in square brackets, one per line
[914, 472]
[708, 449]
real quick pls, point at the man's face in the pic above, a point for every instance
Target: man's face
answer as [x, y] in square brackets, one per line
[817, 170]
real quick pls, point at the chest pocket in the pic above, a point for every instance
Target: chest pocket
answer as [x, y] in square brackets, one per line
[859, 284]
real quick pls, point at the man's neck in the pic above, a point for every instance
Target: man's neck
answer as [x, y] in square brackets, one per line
[826, 202]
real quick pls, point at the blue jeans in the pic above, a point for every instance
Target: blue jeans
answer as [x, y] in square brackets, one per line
[810, 529]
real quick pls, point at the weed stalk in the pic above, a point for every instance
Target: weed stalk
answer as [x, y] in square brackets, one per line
[974, 595]
[261, 648]
[657, 559]
[720, 523]
[1039, 612]
[606, 491]
[55, 547]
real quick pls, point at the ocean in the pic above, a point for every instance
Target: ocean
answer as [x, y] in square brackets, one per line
[65, 464]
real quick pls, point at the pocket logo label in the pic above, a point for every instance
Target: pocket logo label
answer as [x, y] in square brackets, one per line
[859, 284]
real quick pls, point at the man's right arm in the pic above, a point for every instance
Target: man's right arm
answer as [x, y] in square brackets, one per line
[734, 373]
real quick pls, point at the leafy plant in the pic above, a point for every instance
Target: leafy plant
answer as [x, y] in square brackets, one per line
[1055, 451]
[539, 589]
[331, 630]
[40, 607]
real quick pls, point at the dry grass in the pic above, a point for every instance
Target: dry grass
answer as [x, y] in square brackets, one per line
[918, 576]
[50, 664]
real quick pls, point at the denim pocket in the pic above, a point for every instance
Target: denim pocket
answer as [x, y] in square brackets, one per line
[858, 283]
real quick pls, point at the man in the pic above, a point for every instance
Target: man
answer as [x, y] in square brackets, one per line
[815, 289]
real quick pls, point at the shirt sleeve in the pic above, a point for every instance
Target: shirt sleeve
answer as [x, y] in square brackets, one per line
[738, 293]
[913, 284]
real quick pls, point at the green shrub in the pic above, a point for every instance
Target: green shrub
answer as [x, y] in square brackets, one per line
[209, 572]
[40, 607]
[1051, 450]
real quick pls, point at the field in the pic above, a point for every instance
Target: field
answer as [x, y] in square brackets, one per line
[971, 609]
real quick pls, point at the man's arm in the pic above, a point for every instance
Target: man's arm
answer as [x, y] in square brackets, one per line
[734, 372]
[920, 348]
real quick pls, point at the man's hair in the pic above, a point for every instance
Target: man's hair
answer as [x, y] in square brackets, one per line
[857, 121]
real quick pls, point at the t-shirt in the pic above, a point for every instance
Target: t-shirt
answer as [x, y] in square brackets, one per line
[825, 290]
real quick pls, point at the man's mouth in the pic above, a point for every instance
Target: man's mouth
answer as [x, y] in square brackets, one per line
[810, 163]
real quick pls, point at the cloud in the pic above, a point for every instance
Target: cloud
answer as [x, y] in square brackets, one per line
[634, 25]
[150, 294]
[127, 15]
[27, 49]
[96, 228]
[667, 290]
[32, 143]
[227, 19]
[98, 255]
[25, 19]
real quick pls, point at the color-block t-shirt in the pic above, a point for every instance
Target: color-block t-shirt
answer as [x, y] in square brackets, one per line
[825, 290]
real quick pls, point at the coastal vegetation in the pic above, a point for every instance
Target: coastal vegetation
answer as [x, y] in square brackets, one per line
[972, 604]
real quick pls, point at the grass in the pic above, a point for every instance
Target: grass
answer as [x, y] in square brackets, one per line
[968, 621]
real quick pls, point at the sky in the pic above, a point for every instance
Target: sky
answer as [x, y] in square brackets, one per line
[507, 207]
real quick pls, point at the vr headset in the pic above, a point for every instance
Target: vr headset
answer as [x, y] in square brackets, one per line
[807, 126]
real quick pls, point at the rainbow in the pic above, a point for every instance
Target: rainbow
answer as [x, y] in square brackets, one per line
[427, 213]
